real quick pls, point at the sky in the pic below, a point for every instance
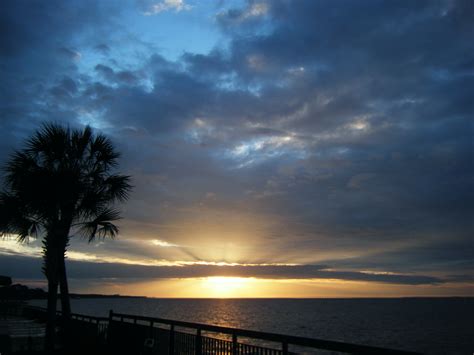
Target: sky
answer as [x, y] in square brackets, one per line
[277, 148]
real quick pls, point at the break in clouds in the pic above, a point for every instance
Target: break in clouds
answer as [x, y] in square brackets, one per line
[306, 139]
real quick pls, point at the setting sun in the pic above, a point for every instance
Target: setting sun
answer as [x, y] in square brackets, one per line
[222, 287]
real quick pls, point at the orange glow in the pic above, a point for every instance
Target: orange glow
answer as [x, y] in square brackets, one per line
[237, 287]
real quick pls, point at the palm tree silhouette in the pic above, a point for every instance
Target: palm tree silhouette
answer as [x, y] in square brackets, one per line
[61, 184]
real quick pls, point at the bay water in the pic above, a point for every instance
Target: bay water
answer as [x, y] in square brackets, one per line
[427, 325]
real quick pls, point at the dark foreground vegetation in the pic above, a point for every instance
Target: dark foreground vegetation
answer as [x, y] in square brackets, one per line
[21, 292]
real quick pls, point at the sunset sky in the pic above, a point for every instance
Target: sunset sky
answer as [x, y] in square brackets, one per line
[277, 148]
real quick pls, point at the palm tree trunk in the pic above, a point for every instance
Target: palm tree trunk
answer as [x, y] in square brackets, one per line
[50, 337]
[63, 285]
[62, 238]
[51, 272]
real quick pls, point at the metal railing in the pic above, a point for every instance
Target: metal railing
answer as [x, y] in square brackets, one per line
[197, 343]
[133, 334]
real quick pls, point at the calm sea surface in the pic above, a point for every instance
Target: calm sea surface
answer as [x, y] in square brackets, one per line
[432, 326]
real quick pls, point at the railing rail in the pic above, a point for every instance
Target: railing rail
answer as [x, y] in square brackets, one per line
[86, 318]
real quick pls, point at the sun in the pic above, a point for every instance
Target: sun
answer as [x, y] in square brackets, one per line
[222, 286]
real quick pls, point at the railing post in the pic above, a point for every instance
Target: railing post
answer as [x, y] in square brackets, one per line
[171, 344]
[198, 344]
[235, 345]
[284, 348]
[109, 327]
[151, 328]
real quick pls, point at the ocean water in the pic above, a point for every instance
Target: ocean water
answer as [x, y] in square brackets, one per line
[427, 325]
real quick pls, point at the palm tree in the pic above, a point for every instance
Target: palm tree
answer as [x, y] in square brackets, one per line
[61, 184]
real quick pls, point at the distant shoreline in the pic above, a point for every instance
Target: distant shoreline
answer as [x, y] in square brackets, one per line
[93, 295]
[78, 296]
[114, 296]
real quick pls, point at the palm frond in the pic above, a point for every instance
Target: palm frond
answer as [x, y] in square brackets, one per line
[80, 141]
[28, 229]
[15, 219]
[117, 187]
[18, 167]
[103, 151]
[51, 143]
[101, 226]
